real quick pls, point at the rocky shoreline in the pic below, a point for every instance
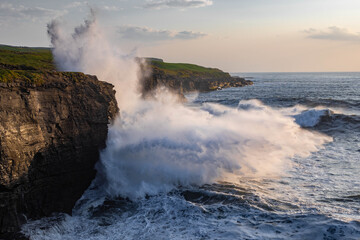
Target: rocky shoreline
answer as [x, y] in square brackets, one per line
[183, 85]
[54, 124]
[50, 136]
[182, 81]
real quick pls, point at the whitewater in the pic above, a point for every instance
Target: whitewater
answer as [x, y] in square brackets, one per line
[276, 160]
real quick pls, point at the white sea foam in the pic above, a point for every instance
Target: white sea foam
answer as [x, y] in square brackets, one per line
[159, 144]
[311, 117]
[165, 144]
[172, 217]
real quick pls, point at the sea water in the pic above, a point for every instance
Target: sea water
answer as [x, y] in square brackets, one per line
[276, 160]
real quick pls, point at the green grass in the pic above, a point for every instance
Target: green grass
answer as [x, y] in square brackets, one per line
[25, 64]
[186, 69]
[34, 77]
[30, 65]
[23, 58]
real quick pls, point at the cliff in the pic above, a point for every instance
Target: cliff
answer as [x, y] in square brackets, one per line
[183, 77]
[52, 126]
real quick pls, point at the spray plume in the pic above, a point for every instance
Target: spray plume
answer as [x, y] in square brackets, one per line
[87, 50]
[159, 144]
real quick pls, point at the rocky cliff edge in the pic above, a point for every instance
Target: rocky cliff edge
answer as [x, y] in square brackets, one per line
[183, 77]
[50, 137]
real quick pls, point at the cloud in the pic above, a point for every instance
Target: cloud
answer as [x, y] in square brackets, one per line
[333, 33]
[149, 34]
[111, 8]
[159, 4]
[76, 4]
[95, 6]
[9, 12]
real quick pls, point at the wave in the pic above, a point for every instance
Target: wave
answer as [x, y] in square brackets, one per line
[335, 103]
[310, 118]
[192, 214]
[319, 101]
[302, 115]
[159, 144]
[320, 116]
[165, 144]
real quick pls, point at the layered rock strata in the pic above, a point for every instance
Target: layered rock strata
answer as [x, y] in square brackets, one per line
[50, 137]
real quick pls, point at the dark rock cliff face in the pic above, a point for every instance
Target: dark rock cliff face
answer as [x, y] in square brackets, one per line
[188, 83]
[50, 136]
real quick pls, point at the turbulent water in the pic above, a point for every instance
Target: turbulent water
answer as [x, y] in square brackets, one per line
[276, 160]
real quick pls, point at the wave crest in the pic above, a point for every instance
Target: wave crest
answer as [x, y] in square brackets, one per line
[164, 145]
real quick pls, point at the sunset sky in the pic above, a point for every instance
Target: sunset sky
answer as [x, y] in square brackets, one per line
[233, 35]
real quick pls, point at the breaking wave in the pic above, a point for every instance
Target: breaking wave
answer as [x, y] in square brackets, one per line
[159, 144]
[203, 170]
[165, 144]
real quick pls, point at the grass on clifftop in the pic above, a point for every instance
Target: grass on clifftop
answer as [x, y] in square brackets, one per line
[25, 64]
[30, 65]
[186, 69]
[26, 58]
[34, 77]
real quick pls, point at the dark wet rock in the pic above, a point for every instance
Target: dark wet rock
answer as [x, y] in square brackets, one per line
[50, 136]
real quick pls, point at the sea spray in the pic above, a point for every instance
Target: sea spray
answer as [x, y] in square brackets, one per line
[165, 144]
[159, 143]
[87, 50]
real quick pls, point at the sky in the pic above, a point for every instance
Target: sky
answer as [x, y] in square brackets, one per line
[233, 35]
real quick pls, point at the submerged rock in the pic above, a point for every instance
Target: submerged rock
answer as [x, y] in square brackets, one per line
[50, 137]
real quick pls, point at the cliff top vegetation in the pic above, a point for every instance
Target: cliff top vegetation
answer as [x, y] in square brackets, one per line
[24, 64]
[31, 64]
[24, 58]
[185, 69]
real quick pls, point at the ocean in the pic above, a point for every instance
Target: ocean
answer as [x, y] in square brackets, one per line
[276, 160]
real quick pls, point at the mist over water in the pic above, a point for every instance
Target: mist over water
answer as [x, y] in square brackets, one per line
[159, 144]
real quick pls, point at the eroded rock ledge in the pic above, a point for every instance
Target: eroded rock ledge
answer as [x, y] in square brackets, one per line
[183, 78]
[50, 136]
